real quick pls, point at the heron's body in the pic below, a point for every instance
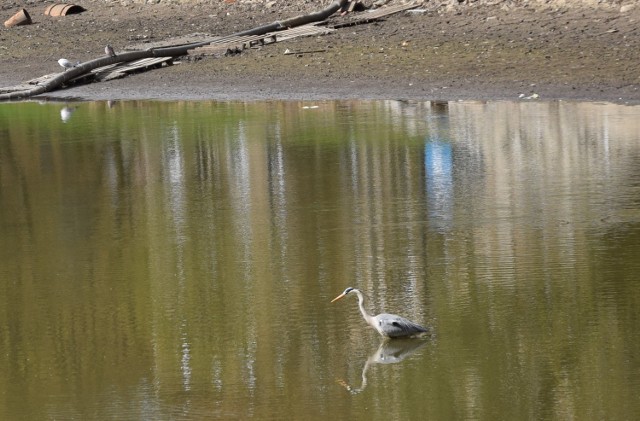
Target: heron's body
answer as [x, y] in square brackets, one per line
[394, 326]
[387, 325]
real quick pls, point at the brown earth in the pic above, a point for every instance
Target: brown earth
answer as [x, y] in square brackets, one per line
[449, 51]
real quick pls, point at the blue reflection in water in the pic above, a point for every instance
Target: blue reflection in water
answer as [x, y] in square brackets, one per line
[438, 162]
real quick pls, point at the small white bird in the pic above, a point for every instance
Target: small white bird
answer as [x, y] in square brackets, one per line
[108, 50]
[67, 64]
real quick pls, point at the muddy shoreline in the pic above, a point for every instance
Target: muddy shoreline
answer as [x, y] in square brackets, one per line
[476, 51]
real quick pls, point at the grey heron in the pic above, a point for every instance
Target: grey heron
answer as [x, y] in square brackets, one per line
[387, 325]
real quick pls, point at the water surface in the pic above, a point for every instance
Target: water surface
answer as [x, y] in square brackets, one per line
[176, 260]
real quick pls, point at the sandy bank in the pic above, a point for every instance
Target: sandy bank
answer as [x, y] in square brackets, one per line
[504, 50]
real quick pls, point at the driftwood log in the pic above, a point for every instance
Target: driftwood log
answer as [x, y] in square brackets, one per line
[177, 51]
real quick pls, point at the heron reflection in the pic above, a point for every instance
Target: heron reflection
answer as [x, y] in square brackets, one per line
[389, 352]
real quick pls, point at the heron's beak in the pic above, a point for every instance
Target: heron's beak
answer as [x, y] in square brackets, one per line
[338, 297]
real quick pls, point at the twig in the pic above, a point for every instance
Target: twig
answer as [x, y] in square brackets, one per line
[287, 52]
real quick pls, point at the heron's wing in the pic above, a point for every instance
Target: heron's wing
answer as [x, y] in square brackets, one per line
[394, 326]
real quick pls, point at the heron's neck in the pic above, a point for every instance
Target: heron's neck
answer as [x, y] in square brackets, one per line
[366, 315]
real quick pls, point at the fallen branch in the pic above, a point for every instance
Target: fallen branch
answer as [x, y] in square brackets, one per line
[261, 30]
[70, 74]
[288, 52]
[176, 51]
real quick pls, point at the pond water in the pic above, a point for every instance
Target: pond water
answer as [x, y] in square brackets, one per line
[176, 260]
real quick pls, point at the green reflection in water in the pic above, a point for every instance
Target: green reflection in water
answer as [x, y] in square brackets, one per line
[176, 260]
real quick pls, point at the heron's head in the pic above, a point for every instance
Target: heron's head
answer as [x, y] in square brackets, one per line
[344, 293]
